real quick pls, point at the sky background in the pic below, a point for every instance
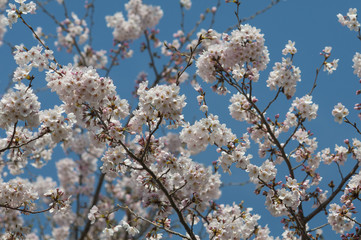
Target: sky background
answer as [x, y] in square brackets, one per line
[312, 24]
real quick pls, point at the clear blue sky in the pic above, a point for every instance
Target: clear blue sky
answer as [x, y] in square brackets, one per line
[312, 24]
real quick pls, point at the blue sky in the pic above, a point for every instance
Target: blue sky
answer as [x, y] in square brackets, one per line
[312, 24]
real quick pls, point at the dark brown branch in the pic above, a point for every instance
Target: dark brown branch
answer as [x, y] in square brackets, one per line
[333, 195]
[24, 210]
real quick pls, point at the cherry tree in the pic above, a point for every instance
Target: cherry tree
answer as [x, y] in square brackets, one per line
[128, 167]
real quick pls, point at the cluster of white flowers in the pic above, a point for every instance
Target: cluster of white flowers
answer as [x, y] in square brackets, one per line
[3, 3]
[202, 184]
[274, 206]
[13, 224]
[352, 190]
[140, 17]
[24, 148]
[13, 12]
[305, 107]
[160, 101]
[231, 222]
[241, 109]
[68, 174]
[357, 64]
[28, 59]
[329, 66]
[356, 144]
[242, 52]
[78, 86]
[263, 174]
[206, 131]
[340, 156]
[186, 4]
[284, 75]
[307, 147]
[195, 184]
[114, 161]
[109, 232]
[237, 156]
[53, 120]
[73, 28]
[3, 26]
[60, 202]
[289, 198]
[339, 218]
[350, 20]
[90, 57]
[339, 112]
[209, 37]
[18, 193]
[21, 104]
[289, 48]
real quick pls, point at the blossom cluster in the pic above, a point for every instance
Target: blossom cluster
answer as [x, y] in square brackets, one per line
[14, 13]
[3, 24]
[186, 4]
[206, 131]
[161, 101]
[73, 28]
[108, 232]
[196, 185]
[236, 155]
[243, 53]
[340, 218]
[329, 66]
[68, 174]
[357, 64]
[285, 76]
[263, 174]
[339, 112]
[114, 161]
[90, 57]
[18, 193]
[82, 89]
[53, 120]
[305, 107]
[339, 157]
[352, 191]
[241, 109]
[21, 104]
[140, 17]
[350, 20]
[28, 59]
[24, 148]
[231, 222]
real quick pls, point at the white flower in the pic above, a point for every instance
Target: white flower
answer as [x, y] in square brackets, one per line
[339, 112]
[357, 64]
[186, 4]
[331, 66]
[290, 48]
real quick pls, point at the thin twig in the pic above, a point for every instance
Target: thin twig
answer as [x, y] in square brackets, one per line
[153, 223]
[24, 210]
